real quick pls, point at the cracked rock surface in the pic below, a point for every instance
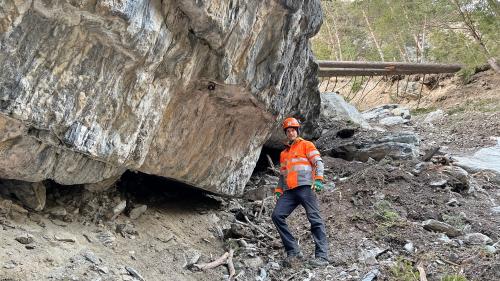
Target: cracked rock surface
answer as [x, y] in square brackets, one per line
[188, 90]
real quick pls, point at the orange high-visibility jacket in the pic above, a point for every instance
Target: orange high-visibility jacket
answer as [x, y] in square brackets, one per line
[300, 164]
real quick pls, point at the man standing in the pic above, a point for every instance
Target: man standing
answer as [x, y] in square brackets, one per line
[301, 173]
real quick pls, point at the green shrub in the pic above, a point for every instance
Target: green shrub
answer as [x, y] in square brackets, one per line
[403, 271]
[454, 277]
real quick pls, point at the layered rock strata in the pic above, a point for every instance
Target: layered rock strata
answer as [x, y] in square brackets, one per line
[188, 90]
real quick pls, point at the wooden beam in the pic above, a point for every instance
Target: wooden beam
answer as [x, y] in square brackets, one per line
[357, 68]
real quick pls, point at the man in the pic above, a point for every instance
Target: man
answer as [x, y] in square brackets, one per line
[301, 173]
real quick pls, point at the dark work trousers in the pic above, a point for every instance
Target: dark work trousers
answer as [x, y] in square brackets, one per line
[289, 200]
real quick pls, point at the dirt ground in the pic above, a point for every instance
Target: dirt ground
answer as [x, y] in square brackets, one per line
[374, 217]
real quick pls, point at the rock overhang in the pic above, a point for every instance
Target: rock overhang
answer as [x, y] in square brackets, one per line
[111, 86]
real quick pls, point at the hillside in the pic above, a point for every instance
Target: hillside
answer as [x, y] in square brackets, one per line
[374, 218]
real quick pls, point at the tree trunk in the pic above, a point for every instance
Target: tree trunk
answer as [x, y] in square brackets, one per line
[330, 36]
[422, 45]
[415, 37]
[381, 54]
[397, 37]
[335, 29]
[330, 39]
[476, 35]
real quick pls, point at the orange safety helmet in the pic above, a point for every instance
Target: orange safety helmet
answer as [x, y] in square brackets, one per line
[290, 122]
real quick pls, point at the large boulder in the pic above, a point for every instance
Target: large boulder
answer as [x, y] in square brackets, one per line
[184, 89]
[388, 115]
[486, 159]
[363, 145]
[337, 113]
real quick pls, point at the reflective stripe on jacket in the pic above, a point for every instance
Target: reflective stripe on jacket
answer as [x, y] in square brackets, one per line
[300, 164]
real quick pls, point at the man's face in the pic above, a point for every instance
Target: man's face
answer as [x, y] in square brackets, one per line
[291, 133]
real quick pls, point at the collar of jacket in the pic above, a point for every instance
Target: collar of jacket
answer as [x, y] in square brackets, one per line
[298, 139]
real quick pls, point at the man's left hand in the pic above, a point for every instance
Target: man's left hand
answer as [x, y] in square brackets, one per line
[318, 185]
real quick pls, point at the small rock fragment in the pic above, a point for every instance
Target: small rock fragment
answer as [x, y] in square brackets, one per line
[372, 275]
[103, 269]
[442, 227]
[254, 263]
[134, 273]
[490, 249]
[477, 239]
[106, 237]
[453, 202]
[65, 239]
[58, 212]
[274, 265]
[438, 183]
[90, 256]
[409, 247]
[25, 239]
[10, 264]
[137, 211]
[117, 210]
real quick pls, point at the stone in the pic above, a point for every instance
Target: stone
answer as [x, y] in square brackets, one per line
[117, 210]
[136, 212]
[17, 212]
[459, 179]
[103, 269]
[274, 265]
[409, 247]
[191, 256]
[369, 256]
[105, 237]
[253, 263]
[387, 110]
[453, 202]
[58, 212]
[495, 210]
[10, 264]
[90, 256]
[372, 275]
[134, 273]
[139, 81]
[485, 159]
[240, 231]
[490, 249]
[68, 239]
[259, 193]
[442, 227]
[420, 167]
[401, 112]
[445, 239]
[438, 183]
[32, 195]
[376, 145]
[393, 120]
[477, 239]
[25, 239]
[336, 111]
[434, 116]
[5, 206]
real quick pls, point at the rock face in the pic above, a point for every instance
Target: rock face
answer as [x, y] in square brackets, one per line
[335, 110]
[188, 90]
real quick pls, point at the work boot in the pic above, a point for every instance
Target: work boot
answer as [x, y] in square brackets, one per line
[290, 260]
[319, 262]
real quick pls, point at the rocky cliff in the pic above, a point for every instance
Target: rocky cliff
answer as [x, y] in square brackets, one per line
[188, 90]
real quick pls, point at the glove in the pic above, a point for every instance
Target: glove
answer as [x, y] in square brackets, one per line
[318, 185]
[278, 194]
